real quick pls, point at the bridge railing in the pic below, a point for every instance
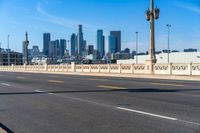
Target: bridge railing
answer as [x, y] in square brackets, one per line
[162, 69]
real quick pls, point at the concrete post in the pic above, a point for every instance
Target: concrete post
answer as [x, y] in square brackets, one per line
[120, 67]
[24, 67]
[149, 67]
[81, 67]
[132, 69]
[170, 68]
[190, 69]
[73, 67]
[45, 67]
[108, 68]
[12, 67]
[62, 67]
[99, 68]
[67, 68]
[90, 67]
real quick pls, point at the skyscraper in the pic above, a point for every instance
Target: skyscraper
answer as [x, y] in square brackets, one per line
[90, 49]
[73, 45]
[54, 50]
[57, 49]
[80, 42]
[100, 44]
[62, 47]
[84, 46]
[51, 49]
[46, 42]
[112, 47]
[117, 35]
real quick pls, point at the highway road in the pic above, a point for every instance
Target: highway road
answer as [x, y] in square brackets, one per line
[52, 103]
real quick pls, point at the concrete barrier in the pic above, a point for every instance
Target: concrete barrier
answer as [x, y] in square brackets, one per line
[158, 69]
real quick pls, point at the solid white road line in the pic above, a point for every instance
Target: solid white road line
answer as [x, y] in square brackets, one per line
[5, 84]
[159, 116]
[149, 114]
[189, 122]
[50, 93]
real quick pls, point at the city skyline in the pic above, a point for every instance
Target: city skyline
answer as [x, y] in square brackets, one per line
[39, 18]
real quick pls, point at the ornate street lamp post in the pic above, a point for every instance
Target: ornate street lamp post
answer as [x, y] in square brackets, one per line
[151, 15]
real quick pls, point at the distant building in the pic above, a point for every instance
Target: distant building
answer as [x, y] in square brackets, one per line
[74, 48]
[133, 53]
[57, 49]
[90, 49]
[112, 47]
[62, 47]
[122, 55]
[190, 50]
[80, 41]
[84, 47]
[117, 35]
[176, 57]
[46, 42]
[165, 51]
[159, 52]
[100, 44]
[54, 50]
[40, 60]
[89, 57]
[126, 50]
[35, 51]
[10, 57]
[173, 51]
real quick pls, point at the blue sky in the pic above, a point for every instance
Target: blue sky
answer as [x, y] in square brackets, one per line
[61, 17]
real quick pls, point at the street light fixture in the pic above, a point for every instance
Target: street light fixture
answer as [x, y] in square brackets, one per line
[151, 15]
[168, 27]
[136, 54]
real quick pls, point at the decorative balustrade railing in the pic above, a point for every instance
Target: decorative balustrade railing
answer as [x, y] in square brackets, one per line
[195, 69]
[165, 69]
[162, 69]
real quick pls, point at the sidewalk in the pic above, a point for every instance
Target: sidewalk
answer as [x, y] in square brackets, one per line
[168, 77]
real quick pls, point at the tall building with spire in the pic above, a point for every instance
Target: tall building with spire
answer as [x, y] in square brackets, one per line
[25, 49]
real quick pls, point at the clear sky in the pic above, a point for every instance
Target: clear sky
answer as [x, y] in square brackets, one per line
[61, 17]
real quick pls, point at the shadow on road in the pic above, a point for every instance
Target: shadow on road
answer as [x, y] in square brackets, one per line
[142, 90]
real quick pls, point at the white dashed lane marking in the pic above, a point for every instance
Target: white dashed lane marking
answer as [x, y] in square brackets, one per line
[5, 84]
[39, 91]
[149, 114]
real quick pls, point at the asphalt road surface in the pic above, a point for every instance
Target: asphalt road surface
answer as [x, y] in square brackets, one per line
[51, 103]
